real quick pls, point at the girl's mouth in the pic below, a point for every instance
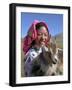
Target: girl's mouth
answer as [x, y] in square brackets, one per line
[42, 42]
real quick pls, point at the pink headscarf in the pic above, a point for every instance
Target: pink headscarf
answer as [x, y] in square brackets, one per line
[32, 35]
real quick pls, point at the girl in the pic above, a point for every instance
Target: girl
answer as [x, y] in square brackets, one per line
[37, 39]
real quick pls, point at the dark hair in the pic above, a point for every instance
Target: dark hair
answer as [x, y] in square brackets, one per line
[38, 25]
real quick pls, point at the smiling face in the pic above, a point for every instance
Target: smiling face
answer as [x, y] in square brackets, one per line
[42, 36]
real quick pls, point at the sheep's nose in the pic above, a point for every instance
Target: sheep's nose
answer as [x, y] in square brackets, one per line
[54, 61]
[53, 74]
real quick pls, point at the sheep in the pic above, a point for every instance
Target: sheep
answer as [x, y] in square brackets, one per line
[48, 63]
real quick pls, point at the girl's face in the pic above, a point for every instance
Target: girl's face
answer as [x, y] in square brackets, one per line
[42, 36]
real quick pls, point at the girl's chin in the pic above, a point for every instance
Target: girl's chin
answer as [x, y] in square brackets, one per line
[42, 43]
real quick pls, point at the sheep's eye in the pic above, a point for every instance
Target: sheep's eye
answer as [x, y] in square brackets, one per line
[49, 54]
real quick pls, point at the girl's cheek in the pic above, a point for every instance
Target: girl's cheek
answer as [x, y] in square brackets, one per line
[38, 38]
[46, 38]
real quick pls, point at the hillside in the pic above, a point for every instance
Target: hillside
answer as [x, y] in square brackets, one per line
[59, 40]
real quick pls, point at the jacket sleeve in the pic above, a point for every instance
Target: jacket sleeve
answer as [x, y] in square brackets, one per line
[28, 63]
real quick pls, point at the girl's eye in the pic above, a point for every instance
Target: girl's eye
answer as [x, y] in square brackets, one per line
[39, 34]
[45, 34]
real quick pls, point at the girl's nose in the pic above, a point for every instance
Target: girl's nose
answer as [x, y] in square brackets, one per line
[43, 36]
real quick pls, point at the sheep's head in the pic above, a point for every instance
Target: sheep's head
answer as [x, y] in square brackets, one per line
[41, 63]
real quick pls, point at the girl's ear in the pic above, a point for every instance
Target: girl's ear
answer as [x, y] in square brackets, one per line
[48, 40]
[49, 37]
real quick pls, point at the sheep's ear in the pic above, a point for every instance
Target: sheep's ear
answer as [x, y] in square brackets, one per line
[53, 46]
[49, 37]
[60, 54]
